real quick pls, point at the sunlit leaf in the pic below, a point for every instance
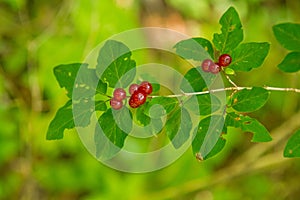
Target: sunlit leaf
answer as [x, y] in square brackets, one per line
[250, 100]
[114, 64]
[249, 55]
[231, 32]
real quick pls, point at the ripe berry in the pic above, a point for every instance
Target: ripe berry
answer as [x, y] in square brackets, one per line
[215, 68]
[116, 104]
[137, 98]
[225, 60]
[146, 87]
[119, 94]
[133, 87]
[206, 64]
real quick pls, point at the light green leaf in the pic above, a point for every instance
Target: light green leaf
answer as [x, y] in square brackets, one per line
[288, 35]
[249, 55]
[231, 32]
[250, 100]
[114, 64]
[292, 148]
[291, 63]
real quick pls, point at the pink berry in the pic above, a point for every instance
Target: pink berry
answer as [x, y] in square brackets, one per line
[116, 104]
[215, 68]
[146, 87]
[225, 60]
[119, 94]
[137, 98]
[133, 87]
[206, 64]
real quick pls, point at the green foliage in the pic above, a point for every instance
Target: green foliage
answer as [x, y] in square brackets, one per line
[115, 59]
[231, 32]
[195, 48]
[292, 148]
[250, 100]
[288, 35]
[249, 55]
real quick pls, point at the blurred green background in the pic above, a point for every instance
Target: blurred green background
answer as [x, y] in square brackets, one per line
[36, 35]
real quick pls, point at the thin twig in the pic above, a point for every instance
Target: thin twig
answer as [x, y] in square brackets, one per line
[237, 88]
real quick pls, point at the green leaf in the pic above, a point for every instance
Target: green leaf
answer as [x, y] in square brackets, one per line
[249, 55]
[229, 71]
[291, 63]
[66, 75]
[178, 126]
[195, 48]
[231, 32]
[196, 81]
[248, 124]
[111, 132]
[288, 35]
[100, 106]
[63, 120]
[82, 112]
[250, 100]
[114, 64]
[208, 141]
[207, 104]
[160, 106]
[292, 148]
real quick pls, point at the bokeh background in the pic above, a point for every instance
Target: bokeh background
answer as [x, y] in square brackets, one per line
[36, 35]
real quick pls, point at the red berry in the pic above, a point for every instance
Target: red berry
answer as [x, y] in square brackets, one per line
[119, 94]
[133, 87]
[206, 64]
[146, 87]
[225, 60]
[116, 104]
[215, 68]
[137, 98]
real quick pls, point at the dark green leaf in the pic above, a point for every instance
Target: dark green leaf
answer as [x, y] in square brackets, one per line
[114, 64]
[291, 63]
[195, 80]
[208, 141]
[292, 148]
[248, 124]
[111, 132]
[249, 55]
[160, 106]
[62, 120]
[231, 32]
[207, 104]
[250, 100]
[66, 75]
[195, 48]
[288, 35]
[178, 126]
[100, 106]
[82, 112]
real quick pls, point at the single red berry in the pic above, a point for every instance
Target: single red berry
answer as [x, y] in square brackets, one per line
[116, 104]
[225, 60]
[206, 64]
[146, 87]
[133, 87]
[137, 98]
[119, 94]
[215, 68]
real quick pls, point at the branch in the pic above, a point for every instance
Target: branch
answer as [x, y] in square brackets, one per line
[237, 88]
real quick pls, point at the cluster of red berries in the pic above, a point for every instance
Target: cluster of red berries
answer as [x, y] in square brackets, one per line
[139, 93]
[210, 66]
[138, 96]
